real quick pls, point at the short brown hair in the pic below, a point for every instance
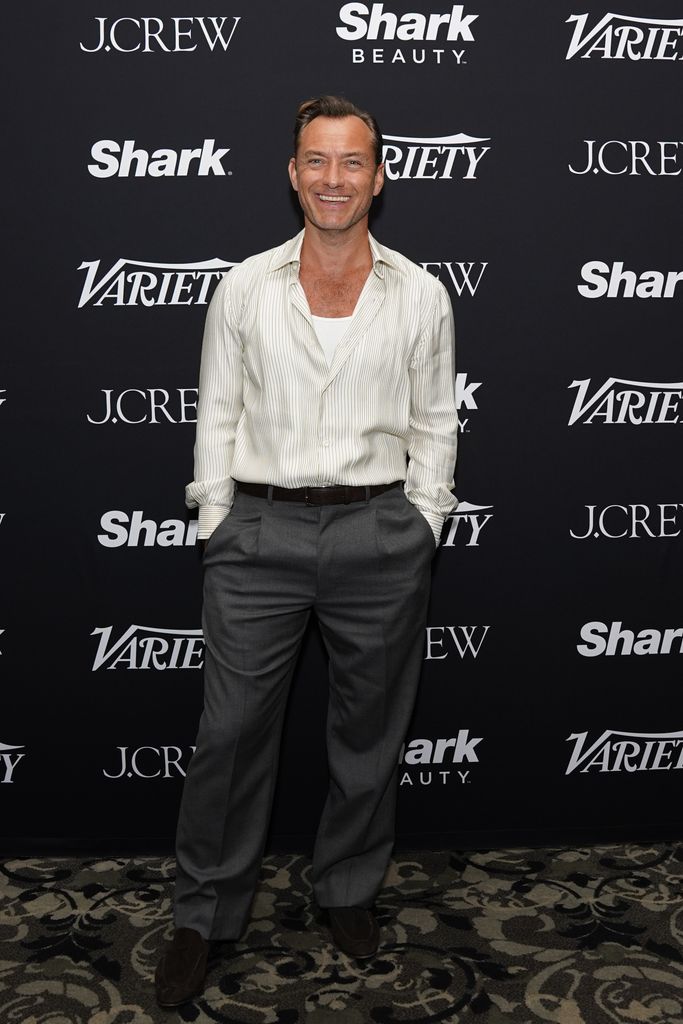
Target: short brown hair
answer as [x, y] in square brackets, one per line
[336, 106]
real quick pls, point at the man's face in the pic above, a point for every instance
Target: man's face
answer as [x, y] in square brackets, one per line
[334, 172]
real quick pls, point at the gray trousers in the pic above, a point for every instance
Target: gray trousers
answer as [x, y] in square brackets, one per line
[364, 569]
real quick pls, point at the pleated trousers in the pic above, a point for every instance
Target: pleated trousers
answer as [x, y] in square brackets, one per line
[364, 569]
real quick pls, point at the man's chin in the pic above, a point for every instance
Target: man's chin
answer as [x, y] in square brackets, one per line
[332, 227]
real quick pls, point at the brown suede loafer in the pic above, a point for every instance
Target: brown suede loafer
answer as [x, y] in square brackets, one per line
[182, 969]
[355, 931]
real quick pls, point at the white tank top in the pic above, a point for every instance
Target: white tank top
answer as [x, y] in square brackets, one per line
[330, 330]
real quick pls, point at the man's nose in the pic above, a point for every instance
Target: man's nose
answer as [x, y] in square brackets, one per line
[333, 174]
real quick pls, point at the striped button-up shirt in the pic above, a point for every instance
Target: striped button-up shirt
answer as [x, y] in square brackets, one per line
[271, 410]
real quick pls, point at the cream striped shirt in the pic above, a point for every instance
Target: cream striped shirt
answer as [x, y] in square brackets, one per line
[271, 410]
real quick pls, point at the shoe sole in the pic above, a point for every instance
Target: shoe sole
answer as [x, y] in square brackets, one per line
[181, 1002]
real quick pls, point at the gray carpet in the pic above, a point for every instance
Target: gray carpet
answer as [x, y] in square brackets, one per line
[573, 936]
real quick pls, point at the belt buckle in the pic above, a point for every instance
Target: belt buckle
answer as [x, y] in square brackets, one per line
[307, 498]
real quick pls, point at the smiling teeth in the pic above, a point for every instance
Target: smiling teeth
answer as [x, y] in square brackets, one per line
[333, 199]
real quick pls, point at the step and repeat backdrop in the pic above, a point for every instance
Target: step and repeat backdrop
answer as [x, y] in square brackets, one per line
[534, 164]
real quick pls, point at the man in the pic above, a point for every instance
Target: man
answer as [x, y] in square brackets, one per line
[324, 461]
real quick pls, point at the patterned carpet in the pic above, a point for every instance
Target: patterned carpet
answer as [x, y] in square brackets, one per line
[574, 936]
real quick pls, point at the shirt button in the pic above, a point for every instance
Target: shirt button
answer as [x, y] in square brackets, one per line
[326, 442]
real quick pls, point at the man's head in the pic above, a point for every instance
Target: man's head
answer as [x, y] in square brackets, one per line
[336, 168]
[336, 106]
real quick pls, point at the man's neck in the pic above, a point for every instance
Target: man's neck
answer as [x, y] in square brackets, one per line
[335, 252]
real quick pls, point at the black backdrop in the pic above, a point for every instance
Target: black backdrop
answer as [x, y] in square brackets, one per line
[569, 527]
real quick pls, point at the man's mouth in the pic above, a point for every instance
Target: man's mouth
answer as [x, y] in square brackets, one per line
[333, 199]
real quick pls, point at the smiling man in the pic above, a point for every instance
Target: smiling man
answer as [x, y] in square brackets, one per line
[324, 458]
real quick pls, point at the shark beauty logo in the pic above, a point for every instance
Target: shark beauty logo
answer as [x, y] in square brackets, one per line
[444, 157]
[136, 283]
[621, 37]
[435, 37]
[429, 761]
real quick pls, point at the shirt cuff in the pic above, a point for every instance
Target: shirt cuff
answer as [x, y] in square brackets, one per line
[435, 521]
[210, 516]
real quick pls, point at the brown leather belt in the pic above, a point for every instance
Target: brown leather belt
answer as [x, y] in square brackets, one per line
[335, 495]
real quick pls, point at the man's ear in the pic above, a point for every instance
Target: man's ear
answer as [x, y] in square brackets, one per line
[379, 180]
[291, 167]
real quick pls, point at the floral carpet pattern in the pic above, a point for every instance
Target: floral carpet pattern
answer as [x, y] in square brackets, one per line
[575, 936]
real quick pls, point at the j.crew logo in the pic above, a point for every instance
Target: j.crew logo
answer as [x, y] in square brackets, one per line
[619, 522]
[633, 157]
[150, 763]
[153, 35]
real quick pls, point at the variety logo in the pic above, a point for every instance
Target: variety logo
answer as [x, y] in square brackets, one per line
[370, 23]
[617, 751]
[626, 401]
[459, 276]
[123, 530]
[456, 750]
[156, 284]
[617, 522]
[149, 647]
[467, 521]
[154, 35]
[150, 763]
[446, 157]
[462, 640]
[115, 160]
[9, 759]
[606, 279]
[152, 405]
[610, 640]
[621, 37]
[628, 157]
[3, 391]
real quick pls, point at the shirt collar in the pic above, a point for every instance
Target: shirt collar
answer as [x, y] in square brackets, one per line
[289, 254]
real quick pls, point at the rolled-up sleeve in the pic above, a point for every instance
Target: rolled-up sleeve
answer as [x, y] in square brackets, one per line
[433, 417]
[218, 411]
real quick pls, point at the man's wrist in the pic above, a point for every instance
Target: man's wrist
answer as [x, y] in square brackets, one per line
[210, 516]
